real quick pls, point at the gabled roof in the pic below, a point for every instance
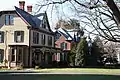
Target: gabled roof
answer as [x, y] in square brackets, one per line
[34, 20]
[25, 16]
[69, 35]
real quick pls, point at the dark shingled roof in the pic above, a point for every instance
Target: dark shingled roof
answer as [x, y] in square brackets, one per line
[32, 20]
[68, 36]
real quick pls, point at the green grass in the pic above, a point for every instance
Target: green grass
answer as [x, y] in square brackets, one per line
[75, 70]
[81, 70]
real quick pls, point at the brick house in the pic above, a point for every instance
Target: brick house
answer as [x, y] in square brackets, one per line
[64, 39]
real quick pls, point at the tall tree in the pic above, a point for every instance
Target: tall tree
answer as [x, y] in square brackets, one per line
[81, 53]
[72, 54]
[111, 52]
[97, 53]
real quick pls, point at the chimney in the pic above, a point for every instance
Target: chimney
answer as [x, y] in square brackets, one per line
[29, 8]
[21, 4]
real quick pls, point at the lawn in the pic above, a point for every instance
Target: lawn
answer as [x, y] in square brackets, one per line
[71, 70]
[85, 74]
[81, 70]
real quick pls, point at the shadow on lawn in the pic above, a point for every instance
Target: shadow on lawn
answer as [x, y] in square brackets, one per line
[59, 77]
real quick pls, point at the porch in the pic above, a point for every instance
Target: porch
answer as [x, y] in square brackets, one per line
[45, 56]
[17, 55]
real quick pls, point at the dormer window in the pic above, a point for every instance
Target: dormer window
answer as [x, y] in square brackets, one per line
[44, 24]
[9, 20]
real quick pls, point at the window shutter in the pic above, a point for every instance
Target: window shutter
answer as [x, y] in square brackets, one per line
[44, 39]
[9, 54]
[37, 38]
[15, 36]
[1, 55]
[22, 36]
[65, 45]
[2, 35]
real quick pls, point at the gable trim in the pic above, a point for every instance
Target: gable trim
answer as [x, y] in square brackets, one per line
[23, 19]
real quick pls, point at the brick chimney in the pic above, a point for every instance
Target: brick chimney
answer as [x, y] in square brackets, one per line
[22, 5]
[29, 8]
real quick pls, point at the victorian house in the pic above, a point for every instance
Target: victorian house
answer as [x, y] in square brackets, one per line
[25, 39]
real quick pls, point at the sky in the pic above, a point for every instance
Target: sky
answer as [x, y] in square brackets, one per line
[9, 4]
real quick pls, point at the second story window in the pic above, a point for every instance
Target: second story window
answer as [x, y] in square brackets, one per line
[63, 45]
[50, 40]
[9, 20]
[1, 37]
[35, 38]
[43, 39]
[19, 36]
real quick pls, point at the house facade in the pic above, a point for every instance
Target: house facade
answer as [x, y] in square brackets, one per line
[64, 40]
[25, 39]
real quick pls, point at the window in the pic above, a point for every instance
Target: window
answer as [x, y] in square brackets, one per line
[57, 36]
[63, 45]
[35, 38]
[43, 39]
[19, 36]
[9, 19]
[50, 40]
[13, 54]
[44, 23]
[1, 37]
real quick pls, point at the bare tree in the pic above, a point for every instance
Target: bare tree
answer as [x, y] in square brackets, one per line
[110, 49]
[98, 17]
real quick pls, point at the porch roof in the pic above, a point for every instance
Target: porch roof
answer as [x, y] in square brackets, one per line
[48, 49]
[17, 45]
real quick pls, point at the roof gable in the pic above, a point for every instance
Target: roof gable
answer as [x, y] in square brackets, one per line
[26, 16]
[69, 35]
[63, 32]
[34, 20]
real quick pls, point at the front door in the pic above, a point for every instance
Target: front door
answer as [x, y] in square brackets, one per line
[36, 58]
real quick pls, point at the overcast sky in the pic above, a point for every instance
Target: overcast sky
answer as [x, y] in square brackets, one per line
[9, 4]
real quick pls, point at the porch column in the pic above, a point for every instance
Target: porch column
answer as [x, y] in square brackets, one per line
[9, 58]
[46, 58]
[30, 58]
[118, 57]
[15, 54]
